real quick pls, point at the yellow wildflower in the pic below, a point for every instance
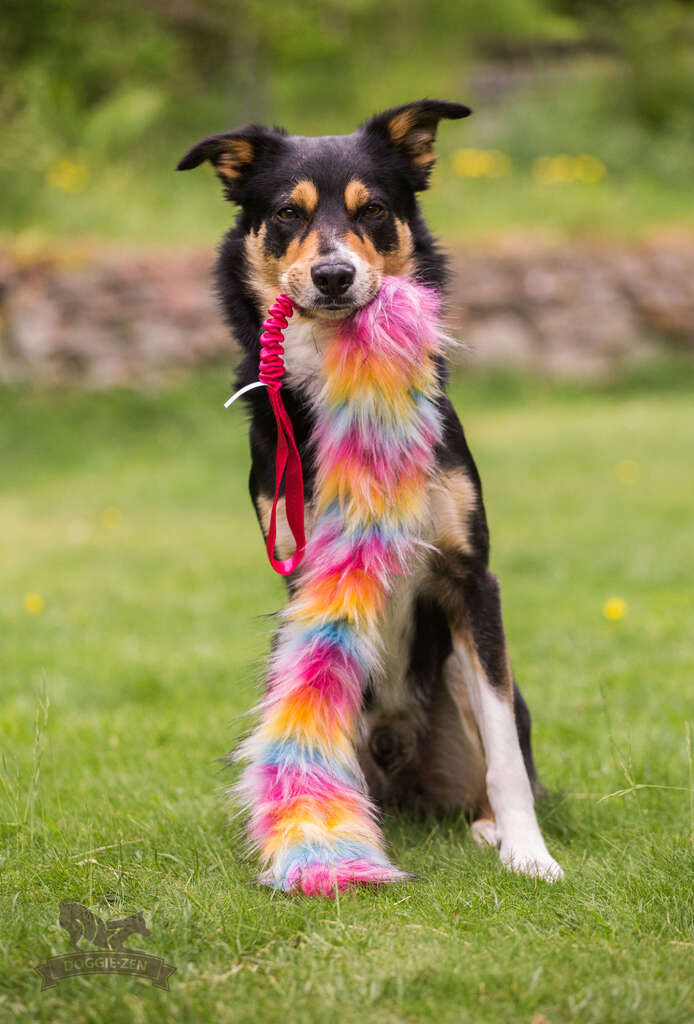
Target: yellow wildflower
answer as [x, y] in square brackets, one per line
[562, 168]
[69, 174]
[627, 471]
[33, 603]
[111, 517]
[614, 608]
[481, 163]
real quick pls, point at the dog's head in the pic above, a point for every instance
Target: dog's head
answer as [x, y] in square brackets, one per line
[325, 218]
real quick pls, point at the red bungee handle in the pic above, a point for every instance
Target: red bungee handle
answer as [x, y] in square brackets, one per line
[287, 459]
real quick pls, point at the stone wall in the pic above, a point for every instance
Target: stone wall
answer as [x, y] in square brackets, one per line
[576, 309]
[580, 308]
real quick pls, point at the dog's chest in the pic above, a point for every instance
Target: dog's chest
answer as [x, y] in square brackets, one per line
[304, 344]
[392, 690]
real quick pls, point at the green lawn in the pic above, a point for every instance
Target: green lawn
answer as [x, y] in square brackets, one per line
[128, 515]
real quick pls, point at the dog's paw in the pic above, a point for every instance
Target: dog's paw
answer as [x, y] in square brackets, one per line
[535, 862]
[484, 832]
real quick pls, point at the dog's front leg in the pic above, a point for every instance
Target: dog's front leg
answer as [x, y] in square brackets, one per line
[484, 672]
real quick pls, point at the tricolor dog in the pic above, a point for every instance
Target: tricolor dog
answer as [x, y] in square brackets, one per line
[325, 220]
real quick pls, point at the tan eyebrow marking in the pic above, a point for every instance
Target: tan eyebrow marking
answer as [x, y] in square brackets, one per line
[305, 194]
[356, 195]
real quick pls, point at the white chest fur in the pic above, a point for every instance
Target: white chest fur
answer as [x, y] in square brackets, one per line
[304, 344]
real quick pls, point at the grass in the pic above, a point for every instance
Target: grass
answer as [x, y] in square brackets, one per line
[128, 514]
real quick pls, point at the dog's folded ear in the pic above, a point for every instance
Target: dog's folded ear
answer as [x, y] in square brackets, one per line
[411, 129]
[235, 155]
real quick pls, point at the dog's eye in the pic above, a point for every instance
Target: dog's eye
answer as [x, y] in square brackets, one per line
[287, 213]
[373, 211]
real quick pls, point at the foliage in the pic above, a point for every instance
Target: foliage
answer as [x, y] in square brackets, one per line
[128, 516]
[100, 100]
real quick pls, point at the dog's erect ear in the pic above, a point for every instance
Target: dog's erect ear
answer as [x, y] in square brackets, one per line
[234, 155]
[411, 129]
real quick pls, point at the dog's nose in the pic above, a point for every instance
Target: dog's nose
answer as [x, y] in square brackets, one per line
[332, 279]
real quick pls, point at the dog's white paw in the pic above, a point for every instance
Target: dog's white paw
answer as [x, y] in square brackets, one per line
[484, 832]
[537, 862]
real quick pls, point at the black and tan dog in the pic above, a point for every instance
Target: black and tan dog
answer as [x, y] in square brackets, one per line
[323, 220]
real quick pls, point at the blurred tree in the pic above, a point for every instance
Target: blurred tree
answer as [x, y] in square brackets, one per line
[655, 44]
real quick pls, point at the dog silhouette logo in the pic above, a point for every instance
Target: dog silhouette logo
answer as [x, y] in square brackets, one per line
[111, 955]
[80, 923]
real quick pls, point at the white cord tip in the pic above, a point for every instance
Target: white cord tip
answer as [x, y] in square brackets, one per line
[242, 391]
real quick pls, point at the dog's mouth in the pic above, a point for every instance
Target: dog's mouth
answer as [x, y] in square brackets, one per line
[332, 309]
[332, 304]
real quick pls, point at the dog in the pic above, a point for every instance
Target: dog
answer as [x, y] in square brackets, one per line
[444, 727]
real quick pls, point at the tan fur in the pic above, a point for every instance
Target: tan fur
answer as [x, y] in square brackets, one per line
[296, 263]
[417, 141]
[305, 195]
[452, 502]
[268, 276]
[263, 270]
[424, 159]
[236, 154]
[398, 261]
[400, 126]
[365, 249]
[460, 754]
[284, 542]
[284, 539]
[356, 195]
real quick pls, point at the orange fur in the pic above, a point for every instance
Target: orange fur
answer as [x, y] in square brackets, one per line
[305, 195]
[356, 195]
[236, 154]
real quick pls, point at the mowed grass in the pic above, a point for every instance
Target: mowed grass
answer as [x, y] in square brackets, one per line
[128, 515]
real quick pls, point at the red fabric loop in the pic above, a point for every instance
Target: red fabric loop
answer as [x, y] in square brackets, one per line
[287, 459]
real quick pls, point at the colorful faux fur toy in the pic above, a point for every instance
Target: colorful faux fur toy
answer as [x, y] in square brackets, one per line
[378, 424]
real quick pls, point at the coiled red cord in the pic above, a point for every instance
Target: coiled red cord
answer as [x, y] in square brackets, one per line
[271, 347]
[287, 458]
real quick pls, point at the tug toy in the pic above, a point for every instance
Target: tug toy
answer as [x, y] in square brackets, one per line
[287, 458]
[377, 427]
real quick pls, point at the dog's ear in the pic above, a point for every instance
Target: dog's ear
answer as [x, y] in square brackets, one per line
[235, 155]
[411, 129]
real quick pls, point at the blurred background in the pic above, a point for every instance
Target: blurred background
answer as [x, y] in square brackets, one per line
[566, 200]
